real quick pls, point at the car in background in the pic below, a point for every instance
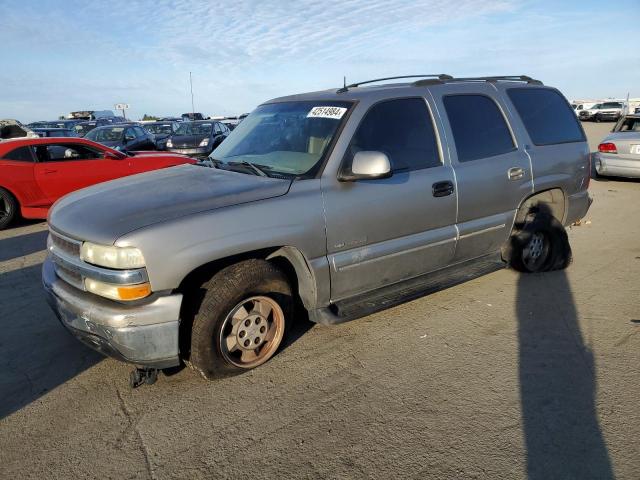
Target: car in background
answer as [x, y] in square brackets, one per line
[68, 124]
[83, 128]
[161, 131]
[192, 117]
[123, 136]
[55, 132]
[602, 112]
[579, 107]
[35, 172]
[197, 139]
[10, 128]
[618, 154]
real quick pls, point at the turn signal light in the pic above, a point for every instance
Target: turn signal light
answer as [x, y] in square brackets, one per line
[118, 292]
[607, 147]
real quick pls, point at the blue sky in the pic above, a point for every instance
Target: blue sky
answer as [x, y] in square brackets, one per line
[59, 56]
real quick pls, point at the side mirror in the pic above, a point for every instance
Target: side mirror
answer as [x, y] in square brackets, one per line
[367, 165]
[129, 138]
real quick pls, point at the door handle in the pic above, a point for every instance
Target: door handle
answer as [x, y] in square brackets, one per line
[47, 170]
[442, 189]
[515, 173]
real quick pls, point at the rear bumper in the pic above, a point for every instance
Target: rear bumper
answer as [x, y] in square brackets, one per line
[617, 167]
[578, 206]
[145, 335]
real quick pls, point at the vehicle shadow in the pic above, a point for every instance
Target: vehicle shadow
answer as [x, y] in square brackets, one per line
[557, 375]
[36, 353]
[22, 245]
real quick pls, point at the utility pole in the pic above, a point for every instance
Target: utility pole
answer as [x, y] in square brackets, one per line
[193, 109]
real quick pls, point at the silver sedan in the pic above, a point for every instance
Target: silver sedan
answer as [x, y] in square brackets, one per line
[619, 153]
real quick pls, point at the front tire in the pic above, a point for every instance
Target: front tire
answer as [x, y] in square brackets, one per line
[242, 319]
[8, 208]
[540, 245]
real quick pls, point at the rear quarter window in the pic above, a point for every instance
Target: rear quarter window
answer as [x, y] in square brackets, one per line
[546, 115]
[20, 154]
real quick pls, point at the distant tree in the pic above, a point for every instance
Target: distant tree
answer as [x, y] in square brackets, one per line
[150, 117]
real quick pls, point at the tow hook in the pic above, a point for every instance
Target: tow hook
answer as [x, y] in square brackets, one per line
[140, 376]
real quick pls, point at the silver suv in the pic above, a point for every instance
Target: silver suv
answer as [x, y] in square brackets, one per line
[331, 204]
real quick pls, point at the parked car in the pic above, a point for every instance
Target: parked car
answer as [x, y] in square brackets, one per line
[197, 139]
[14, 129]
[192, 117]
[345, 201]
[579, 107]
[619, 153]
[123, 136]
[162, 131]
[65, 124]
[83, 128]
[602, 112]
[55, 132]
[35, 172]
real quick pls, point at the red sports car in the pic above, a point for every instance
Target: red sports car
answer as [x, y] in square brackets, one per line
[35, 172]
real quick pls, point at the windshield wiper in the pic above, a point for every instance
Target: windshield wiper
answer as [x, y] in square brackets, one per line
[259, 171]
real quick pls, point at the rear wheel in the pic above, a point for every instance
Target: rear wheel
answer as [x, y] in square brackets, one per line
[540, 244]
[242, 319]
[8, 208]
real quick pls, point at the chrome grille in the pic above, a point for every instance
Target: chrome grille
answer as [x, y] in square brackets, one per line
[65, 244]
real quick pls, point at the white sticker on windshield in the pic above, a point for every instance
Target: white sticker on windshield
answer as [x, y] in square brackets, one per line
[327, 112]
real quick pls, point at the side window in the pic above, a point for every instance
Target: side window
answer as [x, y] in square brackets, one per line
[403, 130]
[21, 154]
[479, 128]
[139, 132]
[129, 133]
[546, 116]
[218, 128]
[63, 152]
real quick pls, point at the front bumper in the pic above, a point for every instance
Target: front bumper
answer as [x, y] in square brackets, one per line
[145, 335]
[615, 166]
[192, 152]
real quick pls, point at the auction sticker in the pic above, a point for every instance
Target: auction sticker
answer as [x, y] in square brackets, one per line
[327, 112]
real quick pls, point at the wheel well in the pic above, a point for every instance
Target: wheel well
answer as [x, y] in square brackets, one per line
[193, 294]
[554, 200]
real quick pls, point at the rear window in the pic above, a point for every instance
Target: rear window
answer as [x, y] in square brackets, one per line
[546, 116]
[479, 128]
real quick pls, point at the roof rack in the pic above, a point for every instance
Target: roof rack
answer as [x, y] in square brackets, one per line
[493, 79]
[436, 76]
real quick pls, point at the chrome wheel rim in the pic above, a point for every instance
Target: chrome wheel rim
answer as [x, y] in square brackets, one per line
[4, 207]
[252, 332]
[534, 252]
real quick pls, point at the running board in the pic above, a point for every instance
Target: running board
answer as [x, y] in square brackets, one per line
[407, 290]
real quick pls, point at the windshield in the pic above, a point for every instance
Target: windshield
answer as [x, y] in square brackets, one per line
[83, 129]
[159, 128]
[287, 138]
[106, 134]
[189, 128]
[612, 105]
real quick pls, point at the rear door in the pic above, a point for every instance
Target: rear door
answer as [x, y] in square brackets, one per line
[62, 168]
[493, 171]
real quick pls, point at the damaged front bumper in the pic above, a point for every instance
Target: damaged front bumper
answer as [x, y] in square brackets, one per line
[144, 334]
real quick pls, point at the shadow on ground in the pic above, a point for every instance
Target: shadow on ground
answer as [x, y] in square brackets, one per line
[22, 245]
[557, 384]
[36, 353]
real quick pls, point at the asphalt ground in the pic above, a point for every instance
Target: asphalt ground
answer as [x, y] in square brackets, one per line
[504, 377]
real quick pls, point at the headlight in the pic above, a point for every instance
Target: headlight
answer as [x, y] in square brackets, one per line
[204, 142]
[118, 292]
[169, 143]
[112, 257]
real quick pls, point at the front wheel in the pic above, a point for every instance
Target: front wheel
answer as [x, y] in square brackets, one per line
[242, 319]
[540, 245]
[8, 208]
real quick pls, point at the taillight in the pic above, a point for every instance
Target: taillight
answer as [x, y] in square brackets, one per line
[607, 147]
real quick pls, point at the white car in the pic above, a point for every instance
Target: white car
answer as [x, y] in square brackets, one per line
[605, 111]
[579, 107]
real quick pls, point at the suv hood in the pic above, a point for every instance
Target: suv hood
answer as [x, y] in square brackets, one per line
[105, 212]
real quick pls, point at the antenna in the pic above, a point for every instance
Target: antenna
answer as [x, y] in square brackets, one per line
[193, 110]
[344, 82]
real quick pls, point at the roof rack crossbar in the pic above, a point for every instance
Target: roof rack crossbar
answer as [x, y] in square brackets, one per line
[496, 78]
[438, 76]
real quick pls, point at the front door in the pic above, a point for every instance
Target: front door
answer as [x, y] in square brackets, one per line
[63, 168]
[387, 230]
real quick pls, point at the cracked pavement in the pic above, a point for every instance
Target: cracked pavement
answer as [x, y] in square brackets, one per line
[505, 376]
